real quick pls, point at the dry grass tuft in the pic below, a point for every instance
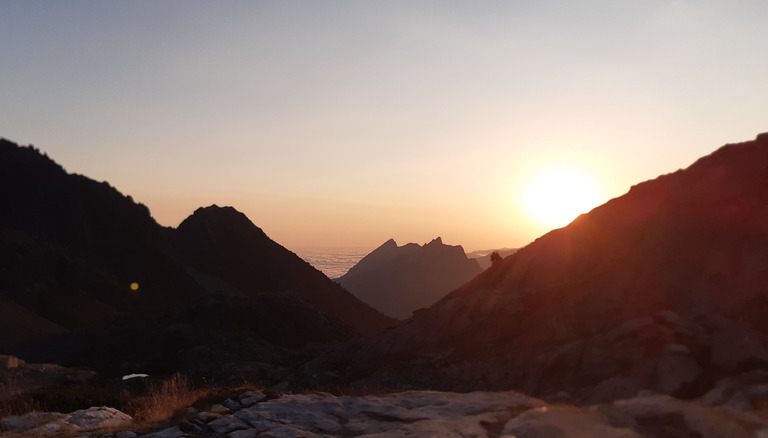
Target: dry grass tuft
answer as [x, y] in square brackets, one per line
[164, 400]
[151, 404]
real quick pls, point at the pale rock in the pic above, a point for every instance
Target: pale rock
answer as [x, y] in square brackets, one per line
[28, 421]
[232, 405]
[52, 428]
[412, 413]
[99, 417]
[248, 433]
[259, 421]
[206, 417]
[171, 432]
[741, 393]
[10, 362]
[226, 424]
[562, 423]
[86, 419]
[726, 393]
[250, 398]
[284, 431]
[126, 434]
[219, 409]
[657, 413]
[302, 410]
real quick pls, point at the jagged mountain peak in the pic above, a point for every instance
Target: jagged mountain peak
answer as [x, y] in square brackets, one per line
[436, 241]
[401, 279]
[669, 277]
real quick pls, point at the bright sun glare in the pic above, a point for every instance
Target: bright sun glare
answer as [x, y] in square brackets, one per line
[555, 197]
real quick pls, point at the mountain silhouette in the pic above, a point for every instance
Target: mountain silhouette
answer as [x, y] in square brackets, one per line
[400, 279]
[215, 290]
[72, 246]
[224, 243]
[664, 288]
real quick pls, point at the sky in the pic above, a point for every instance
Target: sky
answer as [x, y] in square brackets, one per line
[346, 123]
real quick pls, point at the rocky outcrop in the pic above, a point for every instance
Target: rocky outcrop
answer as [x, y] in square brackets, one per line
[78, 422]
[434, 414]
[400, 279]
[662, 288]
[10, 363]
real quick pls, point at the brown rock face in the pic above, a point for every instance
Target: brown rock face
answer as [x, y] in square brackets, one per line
[664, 288]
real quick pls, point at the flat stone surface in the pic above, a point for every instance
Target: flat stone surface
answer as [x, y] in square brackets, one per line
[250, 398]
[232, 405]
[446, 415]
[249, 433]
[28, 421]
[171, 432]
[49, 423]
[99, 417]
[219, 409]
[226, 424]
[206, 417]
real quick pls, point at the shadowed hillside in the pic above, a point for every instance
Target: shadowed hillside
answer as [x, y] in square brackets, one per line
[400, 279]
[215, 291]
[72, 246]
[664, 288]
[223, 243]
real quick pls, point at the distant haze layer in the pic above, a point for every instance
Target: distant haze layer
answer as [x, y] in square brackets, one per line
[333, 261]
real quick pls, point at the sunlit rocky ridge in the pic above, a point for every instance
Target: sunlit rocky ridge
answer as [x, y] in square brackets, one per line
[643, 318]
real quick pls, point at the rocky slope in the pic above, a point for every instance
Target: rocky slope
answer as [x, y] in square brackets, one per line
[663, 288]
[429, 414]
[223, 243]
[216, 290]
[400, 279]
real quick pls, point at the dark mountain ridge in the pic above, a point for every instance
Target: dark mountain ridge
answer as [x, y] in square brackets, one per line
[70, 248]
[224, 243]
[664, 288]
[400, 279]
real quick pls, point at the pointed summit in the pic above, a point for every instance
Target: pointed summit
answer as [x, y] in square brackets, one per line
[222, 242]
[437, 241]
[399, 280]
[660, 289]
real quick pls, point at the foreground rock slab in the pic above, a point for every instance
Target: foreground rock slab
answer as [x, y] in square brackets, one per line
[432, 414]
[51, 423]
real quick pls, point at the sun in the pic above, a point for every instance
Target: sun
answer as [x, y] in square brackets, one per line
[557, 196]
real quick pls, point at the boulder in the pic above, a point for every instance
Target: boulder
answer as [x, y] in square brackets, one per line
[10, 362]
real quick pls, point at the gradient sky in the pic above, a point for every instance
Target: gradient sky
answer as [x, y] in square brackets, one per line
[346, 123]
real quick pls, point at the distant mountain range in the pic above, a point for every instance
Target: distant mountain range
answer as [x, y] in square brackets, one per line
[664, 288]
[213, 291]
[400, 279]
